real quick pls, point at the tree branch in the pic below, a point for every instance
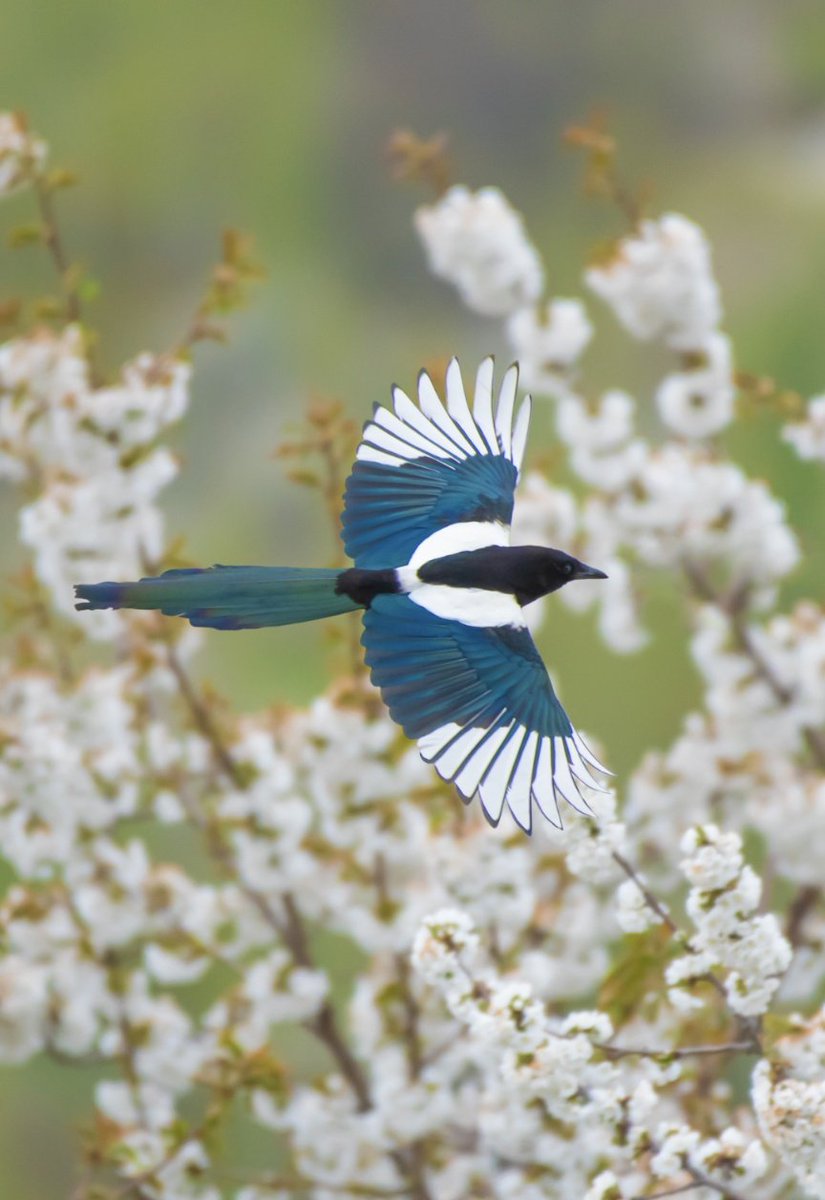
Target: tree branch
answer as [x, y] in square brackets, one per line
[732, 607]
[203, 719]
[54, 245]
[650, 900]
[743, 1047]
[747, 1026]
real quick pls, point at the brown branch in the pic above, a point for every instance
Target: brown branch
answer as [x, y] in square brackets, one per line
[294, 1183]
[412, 1017]
[703, 1180]
[698, 1179]
[806, 898]
[203, 719]
[290, 928]
[675, 1191]
[744, 1047]
[650, 900]
[325, 1023]
[325, 1027]
[732, 606]
[748, 1026]
[135, 1186]
[54, 245]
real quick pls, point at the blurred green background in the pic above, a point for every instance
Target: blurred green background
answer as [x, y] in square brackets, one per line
[272, 115]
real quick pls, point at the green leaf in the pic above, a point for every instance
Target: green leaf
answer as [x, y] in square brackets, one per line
[88, 289]
[637, 971]
[33, 234]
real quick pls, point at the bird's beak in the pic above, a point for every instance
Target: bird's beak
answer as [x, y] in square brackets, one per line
[585, 572]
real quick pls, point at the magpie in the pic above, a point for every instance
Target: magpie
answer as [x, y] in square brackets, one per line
[426, 521]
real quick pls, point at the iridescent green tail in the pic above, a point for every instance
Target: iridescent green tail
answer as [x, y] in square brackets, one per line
[228, 597]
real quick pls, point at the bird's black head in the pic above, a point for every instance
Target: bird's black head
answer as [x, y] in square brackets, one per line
[552, 569]
[526, 572]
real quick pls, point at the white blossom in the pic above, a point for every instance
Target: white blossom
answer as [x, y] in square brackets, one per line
[605, 426]
[22, 154]
[23, 1001]
[698, 402]
[791, 1116]
[590, 844]
[606, 1186]
[722, 903]
[153, 394]
[477, 241]
[660, 283]
[808, 435]
[444, 941]
[633, 912]
[547, 341]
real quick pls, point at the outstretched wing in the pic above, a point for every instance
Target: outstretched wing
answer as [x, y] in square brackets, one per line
[481, 705]
[420, 468]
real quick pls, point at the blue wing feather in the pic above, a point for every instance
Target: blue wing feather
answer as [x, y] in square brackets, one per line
[421, 468]
[433, 670]
[390, 510]
[474, 697]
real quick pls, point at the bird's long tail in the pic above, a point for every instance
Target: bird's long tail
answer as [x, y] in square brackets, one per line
[228, 597]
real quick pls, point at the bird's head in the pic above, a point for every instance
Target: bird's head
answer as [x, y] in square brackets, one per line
[557, 568]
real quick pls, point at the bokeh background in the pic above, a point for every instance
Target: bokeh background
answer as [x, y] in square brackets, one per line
[273, 116]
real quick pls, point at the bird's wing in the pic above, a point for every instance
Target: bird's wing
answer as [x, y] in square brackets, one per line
[420, 468]
[481, 706]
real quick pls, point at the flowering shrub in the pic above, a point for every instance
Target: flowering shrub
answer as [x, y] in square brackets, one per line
[572, 1015]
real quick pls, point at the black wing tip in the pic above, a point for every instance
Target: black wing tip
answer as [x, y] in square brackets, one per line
[527, 829]
[492, 821]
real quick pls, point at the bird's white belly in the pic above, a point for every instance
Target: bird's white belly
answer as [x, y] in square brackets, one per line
[470, 606]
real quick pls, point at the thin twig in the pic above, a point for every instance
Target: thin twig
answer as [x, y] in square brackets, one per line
[325, 1023]
[412, 1017]
[135, 1185]
[748, 1026]
[294, 1183]
[703, 1180]
[743, 1047]
[806, 898]
[54, 245]
[290, 928]
[676, 1191]
[698, 1179]
[203, 718]
[650, 900]
[732, 607]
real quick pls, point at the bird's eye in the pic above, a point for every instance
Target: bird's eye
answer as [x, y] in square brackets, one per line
[567, 568]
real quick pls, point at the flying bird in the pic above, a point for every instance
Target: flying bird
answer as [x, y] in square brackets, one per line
[426, 521]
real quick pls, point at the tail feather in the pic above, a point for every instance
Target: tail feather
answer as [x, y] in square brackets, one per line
[227, 597]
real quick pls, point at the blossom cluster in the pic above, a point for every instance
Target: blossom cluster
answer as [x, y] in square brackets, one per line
[753, 756]
[544, 1078]
[283, 920]
[722, 903]
[22, 153]
[88, 459]
[788, 1098]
